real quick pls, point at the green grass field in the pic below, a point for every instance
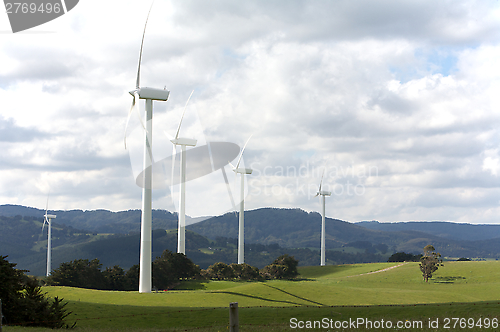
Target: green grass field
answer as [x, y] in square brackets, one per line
[466, 290]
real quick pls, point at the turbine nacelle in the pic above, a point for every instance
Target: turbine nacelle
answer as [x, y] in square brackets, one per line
[243, 170]
[324, 193]
[151, 93]
[50, 216]
[184, 141]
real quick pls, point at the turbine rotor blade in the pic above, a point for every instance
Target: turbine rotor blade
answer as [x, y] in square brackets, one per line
[241, 154]
[46, 212]
[228, 186]
[126, 124]
[47, 207]
[182, 117]
[174, 153]
[137, 107]
[137, 84]
[321, 182]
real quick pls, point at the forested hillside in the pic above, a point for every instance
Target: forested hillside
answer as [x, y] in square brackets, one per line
[113, 238]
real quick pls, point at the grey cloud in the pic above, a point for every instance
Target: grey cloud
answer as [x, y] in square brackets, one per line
[10, 132]
[341, 20]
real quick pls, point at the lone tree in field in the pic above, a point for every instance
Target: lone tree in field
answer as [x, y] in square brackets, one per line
[430, 262]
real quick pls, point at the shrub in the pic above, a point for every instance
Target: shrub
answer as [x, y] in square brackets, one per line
[284, 267]
[170, 267]
[23, 301]
[404, 257]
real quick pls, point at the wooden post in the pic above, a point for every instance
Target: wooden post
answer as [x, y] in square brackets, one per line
[233, 317]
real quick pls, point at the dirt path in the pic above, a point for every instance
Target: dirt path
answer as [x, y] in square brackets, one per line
[383, 270]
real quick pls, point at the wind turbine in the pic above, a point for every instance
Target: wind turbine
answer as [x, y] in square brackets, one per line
[149, 94]
[47, 219]
[183, 142]
[241, 235]
[322, 193]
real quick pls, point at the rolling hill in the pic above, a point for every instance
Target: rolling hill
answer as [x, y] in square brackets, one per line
[113, 237]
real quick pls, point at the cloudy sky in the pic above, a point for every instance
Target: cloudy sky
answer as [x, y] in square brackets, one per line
[397, 100]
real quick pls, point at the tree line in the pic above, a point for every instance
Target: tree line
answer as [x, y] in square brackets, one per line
[167, 271]
[24, 303]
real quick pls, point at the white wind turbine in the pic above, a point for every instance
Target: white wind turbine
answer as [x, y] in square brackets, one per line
[241, 235]
[48, 220]
[149, 94]
[322, 193]
[183, 142]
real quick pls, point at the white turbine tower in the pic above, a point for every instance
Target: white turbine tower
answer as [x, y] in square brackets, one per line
[183, 142]
[48, 219]
[322, 193]
[241, 235]
[149, 94]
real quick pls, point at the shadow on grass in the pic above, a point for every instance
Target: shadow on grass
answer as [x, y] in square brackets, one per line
[256, 297]
[192, 285]
[446, 280]
[308, 272]
[296, 296]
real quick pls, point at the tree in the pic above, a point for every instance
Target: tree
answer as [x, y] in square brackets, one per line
[115, 278]
[245, 271]
[430, 262]
[220, 271]
[23, 301]
[79, 273]
[283, 267]
[170, 267]
[404, 257]
[132, 278]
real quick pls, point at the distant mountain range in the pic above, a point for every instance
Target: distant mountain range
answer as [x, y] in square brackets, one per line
[448, 230]
[78, 230]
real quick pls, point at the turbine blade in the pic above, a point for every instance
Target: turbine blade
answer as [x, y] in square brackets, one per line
[137, 84]
[182, 117]
[137, 107]
[241, 154]
[229, 189]
[321, 182]
[46, 210]
[47, 206]
[126, 124]
[174, 154]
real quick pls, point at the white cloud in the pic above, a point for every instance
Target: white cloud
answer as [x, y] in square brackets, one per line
[409, 89]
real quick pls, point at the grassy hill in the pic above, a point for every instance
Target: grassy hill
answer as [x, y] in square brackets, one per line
[386, 291]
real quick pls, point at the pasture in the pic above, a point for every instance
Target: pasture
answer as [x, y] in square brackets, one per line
[380, 291]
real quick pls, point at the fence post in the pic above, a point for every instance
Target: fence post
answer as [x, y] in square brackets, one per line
[233, 317]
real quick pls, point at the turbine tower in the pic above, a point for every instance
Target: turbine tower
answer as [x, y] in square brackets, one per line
[149, 94]
[241, 233]
[322, 193]
[183, 142]
[48, 219]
